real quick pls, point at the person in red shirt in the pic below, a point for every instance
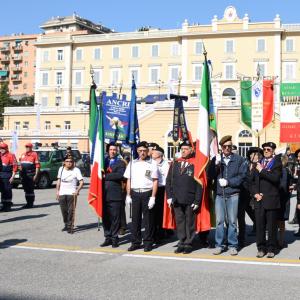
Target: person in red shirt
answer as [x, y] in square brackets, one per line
[30, 167]
[7, 174]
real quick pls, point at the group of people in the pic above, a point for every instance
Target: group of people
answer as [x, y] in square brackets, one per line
[259, 185]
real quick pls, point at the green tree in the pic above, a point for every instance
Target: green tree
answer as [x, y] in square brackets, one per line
[4, 101]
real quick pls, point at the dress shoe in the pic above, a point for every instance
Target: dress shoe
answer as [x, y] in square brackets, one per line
[115, 244]
[147, 248]
[179, 249]
[65, 228]
[270, 255]
[187, 249]
[134, 247]
[260, 254]
[107, 242]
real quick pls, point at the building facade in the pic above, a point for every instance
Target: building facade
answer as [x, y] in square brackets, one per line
[158, 60]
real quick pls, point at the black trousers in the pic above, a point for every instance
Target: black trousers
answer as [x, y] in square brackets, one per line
[159, 211]
[67, 207]
[141, 211]
[244, 207]
[266, 219]
[111, 218]
[123, 223]
[6, 191]
[185, 224]
[28, 187]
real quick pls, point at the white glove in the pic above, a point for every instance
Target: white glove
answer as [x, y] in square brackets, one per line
[218, 159]
[194, 207]
[128, 200]
[169, 201]
[151, 202]
[223, 182]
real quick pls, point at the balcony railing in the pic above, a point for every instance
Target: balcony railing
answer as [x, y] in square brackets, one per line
[5, 59]
[3, 79]
[45, 133]
[17, 69]
[46, 109]
[16, 78]
[17, 57]
[18, 48]
[5, 49]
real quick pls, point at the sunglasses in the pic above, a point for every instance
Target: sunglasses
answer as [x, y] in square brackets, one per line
[226, 146]
[268, 149]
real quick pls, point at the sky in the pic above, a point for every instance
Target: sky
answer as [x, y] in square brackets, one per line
[27, 15]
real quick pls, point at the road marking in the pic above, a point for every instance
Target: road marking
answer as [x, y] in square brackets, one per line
[162, 255]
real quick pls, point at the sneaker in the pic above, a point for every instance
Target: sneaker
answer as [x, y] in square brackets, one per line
[217, 251]
[233, 251]
[260, 254]
[270, 255]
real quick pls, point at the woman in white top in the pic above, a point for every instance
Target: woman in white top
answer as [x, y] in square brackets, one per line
[67, 190]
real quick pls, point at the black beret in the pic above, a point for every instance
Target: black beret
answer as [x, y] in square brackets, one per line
[153, 145]
[142, 144]
[254, 150]
[269, 144]
[225, 139]
[158, 148]
[185, 143]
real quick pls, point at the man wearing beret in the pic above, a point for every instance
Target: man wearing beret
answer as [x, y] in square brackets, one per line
[142, 184]
[228, 171]
[267, 200]
[184, 193]
[163, 168]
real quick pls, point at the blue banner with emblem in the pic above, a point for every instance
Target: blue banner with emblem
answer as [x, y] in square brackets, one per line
[116, 111]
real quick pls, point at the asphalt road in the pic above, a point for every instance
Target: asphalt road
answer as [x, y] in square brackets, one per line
[38, 261]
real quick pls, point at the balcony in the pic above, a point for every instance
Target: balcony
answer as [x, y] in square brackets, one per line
[17, 57]
[18, 48]
[47, 109]
[46, 133]
[5, 49]
[16, 78]
[5, 59]
[3, 79]
[17, 69]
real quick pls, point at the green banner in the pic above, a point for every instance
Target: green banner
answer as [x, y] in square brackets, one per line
[246, 102]
[289, 89]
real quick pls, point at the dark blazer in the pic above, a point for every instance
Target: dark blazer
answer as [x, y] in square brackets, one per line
[113, 182]
[298, 190]
[267, 182]
[181, 185]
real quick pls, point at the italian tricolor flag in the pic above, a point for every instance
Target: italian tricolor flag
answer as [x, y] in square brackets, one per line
[257, 103]
[96, 138]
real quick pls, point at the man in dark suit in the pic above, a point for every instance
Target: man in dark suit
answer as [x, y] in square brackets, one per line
[267, 200]
[184, 193]
[113, 196]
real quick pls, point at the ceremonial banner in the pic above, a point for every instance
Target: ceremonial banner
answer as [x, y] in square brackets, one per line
[257, 103]
[290, 112]
[95, 194]
[116, 118]
[180, 130]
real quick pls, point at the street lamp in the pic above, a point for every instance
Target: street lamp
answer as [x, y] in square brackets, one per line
[160, 83]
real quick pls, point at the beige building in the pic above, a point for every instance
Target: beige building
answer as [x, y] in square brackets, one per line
[157, 59]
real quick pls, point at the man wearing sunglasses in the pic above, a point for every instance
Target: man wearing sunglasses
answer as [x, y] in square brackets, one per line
[228, 171]
[267, 200]
[142, 185]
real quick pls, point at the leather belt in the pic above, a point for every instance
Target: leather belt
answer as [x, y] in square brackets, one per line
[141, 190]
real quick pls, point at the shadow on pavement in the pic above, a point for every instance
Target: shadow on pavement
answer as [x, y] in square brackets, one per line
[46, 204]
[11, 242]
[21, 218]
[86, 227]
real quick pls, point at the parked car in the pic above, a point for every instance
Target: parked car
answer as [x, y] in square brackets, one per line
[87, 164]
[77, 157]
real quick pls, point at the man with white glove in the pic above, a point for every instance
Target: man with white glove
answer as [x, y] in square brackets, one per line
[228, 171]
[142, 184]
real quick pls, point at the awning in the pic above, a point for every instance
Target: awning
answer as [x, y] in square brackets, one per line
[152, 98]
[3, 73]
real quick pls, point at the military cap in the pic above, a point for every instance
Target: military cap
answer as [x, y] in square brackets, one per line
[152, 145]
[254, 150]
[29, 145]
[269, 144]
[142, 144]
[3, 146]
[158, 148]
[185, 143]
[225, 139]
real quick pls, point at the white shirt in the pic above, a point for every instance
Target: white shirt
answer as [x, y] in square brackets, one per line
[142, 173]
[68, 180]
[163, 169]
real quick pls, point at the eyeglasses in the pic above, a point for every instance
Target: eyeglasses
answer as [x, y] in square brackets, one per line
[226, 146]
[267, 149]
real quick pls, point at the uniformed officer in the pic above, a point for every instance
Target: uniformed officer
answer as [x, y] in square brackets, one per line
[184, 193]
[163, 168]
[113, 195]
[142, 183]
[30, 167]
[7, 174]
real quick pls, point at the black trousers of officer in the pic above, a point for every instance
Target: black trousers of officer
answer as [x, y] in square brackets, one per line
[185, 223]
[141, 211]
[28, 187]
[123, 223]
[67, 206]
[266, 219]
[159, 212]
[6, 191]
[111, 218]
